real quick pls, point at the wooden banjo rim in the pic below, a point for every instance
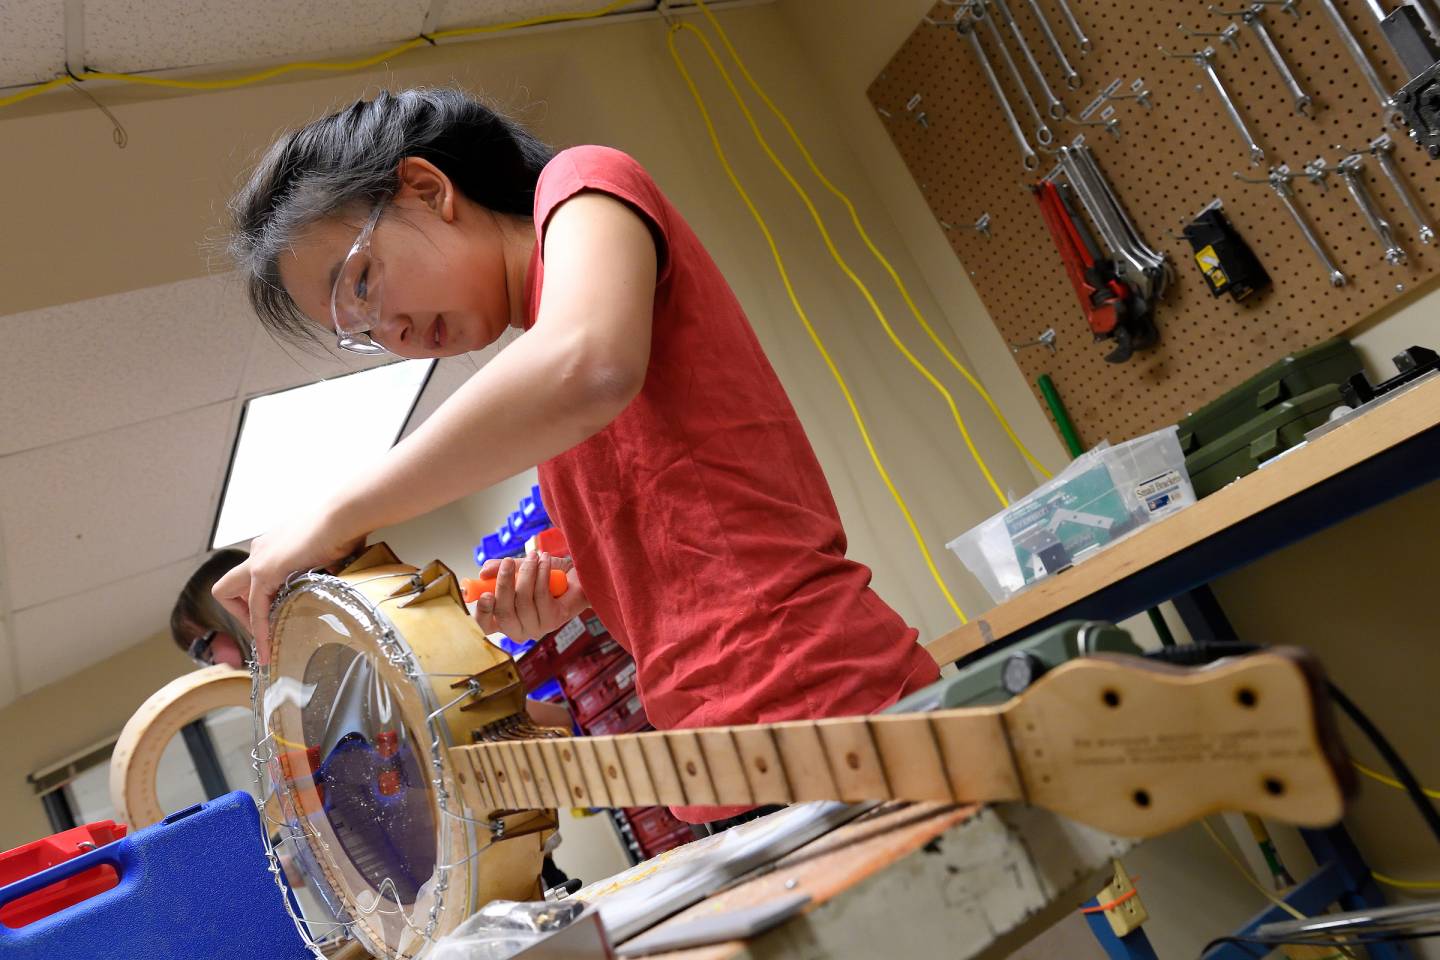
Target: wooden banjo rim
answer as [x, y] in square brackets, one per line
[155, 724]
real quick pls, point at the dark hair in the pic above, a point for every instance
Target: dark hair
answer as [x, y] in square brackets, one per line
[346, 163]
[197, 611]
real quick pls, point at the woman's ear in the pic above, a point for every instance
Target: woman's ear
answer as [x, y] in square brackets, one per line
[421, 180]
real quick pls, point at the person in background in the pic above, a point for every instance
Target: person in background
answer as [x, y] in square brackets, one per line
[201, 626]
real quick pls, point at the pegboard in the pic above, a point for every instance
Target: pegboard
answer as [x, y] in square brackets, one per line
[1167, 164]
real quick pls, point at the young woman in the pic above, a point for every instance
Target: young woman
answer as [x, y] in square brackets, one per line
[700, 525]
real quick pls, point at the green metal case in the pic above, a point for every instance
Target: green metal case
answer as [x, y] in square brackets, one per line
[1243, 449]
[1331, 362]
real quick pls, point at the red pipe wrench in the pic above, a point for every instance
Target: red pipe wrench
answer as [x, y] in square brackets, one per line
[1107, 301]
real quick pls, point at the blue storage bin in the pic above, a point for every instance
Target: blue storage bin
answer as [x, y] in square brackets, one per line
[196, 886]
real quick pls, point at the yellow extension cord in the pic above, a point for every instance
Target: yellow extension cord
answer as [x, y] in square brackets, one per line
[835, 253]
[306, 65]
[805, 319]
[1390, 881]
[865, 236]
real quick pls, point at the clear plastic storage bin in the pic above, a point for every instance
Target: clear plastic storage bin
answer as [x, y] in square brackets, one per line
[1104, 494]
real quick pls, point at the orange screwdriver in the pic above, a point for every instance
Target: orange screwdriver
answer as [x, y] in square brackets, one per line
[472, 589]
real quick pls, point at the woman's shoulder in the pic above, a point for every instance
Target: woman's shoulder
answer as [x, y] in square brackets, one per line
[594, 161]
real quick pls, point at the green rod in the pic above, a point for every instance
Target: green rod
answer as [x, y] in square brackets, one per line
[1062, 419]
[1072, 443]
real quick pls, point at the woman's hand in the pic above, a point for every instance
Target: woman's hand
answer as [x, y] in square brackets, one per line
[248, 590]
[521, 606]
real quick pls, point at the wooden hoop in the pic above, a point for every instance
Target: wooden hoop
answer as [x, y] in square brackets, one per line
[135, 762]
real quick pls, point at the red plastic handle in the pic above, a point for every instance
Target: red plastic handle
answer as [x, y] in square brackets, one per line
[472, 589]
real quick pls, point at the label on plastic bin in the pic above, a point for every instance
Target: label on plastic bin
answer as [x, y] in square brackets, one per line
[1158, 493]
[568, 634]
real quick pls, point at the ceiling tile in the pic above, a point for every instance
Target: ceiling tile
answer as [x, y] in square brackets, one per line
[55, 639]
[449, 375]
[126, 35]
[111, 505]
[445, 379]
[32, 40]
[81, 368]
[467, 13]
[276, 366]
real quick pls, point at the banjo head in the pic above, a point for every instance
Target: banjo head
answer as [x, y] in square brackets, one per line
[369, 685]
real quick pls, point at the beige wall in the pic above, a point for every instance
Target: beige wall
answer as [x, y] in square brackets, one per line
[56, 721]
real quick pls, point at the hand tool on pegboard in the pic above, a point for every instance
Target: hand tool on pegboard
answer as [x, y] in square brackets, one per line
[1072, 76]
[1112, 309]
[1028, 157]
[1252, 17]
[1205, 60]
[1136, 262]
[1382, 148]
[1225, 259]
[1361, 58]
[1117, 292]
[1043, 134]
[987, 9]
[1085, 45]
[1279, 181]
[1352, 171]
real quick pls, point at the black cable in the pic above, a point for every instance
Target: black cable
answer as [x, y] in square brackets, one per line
[1198, 654]
[1266, 944]
[1402, 772]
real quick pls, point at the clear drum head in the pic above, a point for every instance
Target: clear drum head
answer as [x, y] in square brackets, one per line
[351, 758]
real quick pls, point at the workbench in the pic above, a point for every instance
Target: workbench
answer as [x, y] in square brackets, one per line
[1374, 457]
[909, 881]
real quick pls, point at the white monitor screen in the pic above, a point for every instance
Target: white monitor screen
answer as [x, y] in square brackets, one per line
[297, 444]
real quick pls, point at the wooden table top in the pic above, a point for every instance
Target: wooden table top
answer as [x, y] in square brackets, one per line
[1352, 443]
[826, 867]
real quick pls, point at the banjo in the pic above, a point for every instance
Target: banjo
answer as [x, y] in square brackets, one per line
[406, 780]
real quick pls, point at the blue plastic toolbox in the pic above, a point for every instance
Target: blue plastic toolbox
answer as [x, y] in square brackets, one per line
[196, 886]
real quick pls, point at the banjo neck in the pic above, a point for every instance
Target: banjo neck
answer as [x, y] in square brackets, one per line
[1131, 747]
[1126, 746]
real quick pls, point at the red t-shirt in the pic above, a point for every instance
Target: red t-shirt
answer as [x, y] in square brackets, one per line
[700, 523]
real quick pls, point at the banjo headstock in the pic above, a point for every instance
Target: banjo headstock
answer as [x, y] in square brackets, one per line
[1139, 748]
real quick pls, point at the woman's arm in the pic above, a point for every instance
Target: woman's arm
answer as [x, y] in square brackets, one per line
[558, 384]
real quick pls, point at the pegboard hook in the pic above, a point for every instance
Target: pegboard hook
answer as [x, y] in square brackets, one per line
[1112, 125]
[1226, 36]
[1256, 7]
[1267, 181]
[1199, 56]
[980, 226]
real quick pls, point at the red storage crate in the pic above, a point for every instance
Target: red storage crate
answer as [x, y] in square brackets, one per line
[652, 824]
[571, 639]
[43, 854]
[670, 841]
[537, 666]
[613, 683]
[627, 716]
[583, 667]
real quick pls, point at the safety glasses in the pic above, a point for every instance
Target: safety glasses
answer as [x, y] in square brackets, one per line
[355, 297]
[199, 649]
